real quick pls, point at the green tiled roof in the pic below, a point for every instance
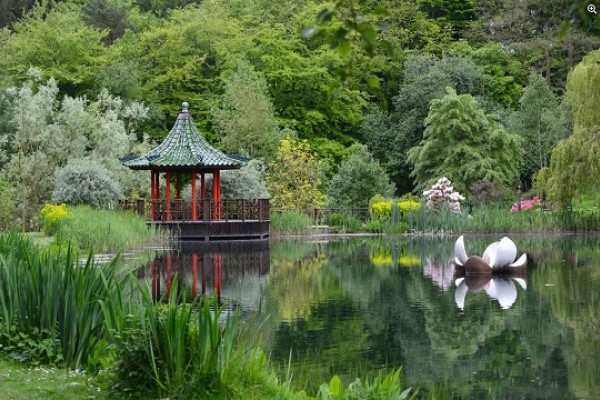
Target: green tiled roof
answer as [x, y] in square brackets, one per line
[184, 147]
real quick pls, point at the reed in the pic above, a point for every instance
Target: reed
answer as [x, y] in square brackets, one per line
[290, 221]
[499, 220]
[170, 349]
[105, 230]
[49, 310]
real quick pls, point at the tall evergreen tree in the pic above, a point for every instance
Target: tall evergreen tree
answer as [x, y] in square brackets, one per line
[463, 144]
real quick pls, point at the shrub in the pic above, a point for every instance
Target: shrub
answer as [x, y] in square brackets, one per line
[49, 309]
[344, 222]
[85, 181]
[442, 194]
[526, 205]
[359, 178]
[53, 215]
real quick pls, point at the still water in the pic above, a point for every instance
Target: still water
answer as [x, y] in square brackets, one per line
[356, 306]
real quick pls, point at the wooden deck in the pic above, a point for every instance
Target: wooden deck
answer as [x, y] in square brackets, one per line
[224, 220]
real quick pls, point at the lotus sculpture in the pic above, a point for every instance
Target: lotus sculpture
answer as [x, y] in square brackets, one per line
[498, 257]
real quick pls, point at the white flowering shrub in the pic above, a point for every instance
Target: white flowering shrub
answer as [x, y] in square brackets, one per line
[85, 181]
[442, 194]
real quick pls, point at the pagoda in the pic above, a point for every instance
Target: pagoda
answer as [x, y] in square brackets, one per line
[184, 154]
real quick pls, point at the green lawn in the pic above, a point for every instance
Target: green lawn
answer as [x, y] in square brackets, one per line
[21, 382]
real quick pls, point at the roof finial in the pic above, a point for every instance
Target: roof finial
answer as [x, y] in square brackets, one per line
[185, 106]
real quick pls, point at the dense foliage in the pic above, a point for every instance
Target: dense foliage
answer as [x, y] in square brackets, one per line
[94, 78]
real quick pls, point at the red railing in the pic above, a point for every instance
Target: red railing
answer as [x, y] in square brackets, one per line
[206, 210]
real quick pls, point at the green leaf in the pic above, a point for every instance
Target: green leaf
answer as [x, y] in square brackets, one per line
[335, 387]
[378, 10]
[324, 16]
[344, 49]
[338, 37]
[373, 82]
[404, 395]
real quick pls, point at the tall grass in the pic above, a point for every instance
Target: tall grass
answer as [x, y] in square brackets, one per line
[496, 220]
[49, 308]
[290, 221]
[105, 230]
[171, 349]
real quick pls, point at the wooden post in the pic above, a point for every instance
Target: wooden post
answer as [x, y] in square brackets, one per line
[202, 187]
[168, 194]
[194, 201]
[178, 186]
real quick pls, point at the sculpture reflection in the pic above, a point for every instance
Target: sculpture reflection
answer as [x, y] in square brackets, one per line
[500, 288]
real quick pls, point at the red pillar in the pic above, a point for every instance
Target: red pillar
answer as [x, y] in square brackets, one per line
[194, 275]
[168, 194]
[155, 281]
[194, 201]
[152, 195]
[216, 189]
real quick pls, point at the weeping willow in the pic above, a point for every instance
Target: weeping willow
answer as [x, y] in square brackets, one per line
[575, 162]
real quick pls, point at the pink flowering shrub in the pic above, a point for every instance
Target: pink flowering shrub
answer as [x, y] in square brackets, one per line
[527, 205]
[442, 194]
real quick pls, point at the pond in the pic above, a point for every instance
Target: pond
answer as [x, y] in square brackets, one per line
[356, 306]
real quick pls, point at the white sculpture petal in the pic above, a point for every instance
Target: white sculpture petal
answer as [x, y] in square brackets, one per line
[522, 260]
[505, 254]
[506, 292]
[458, 281]
[457, 262]
[489, 255]
[522, 282]
[491, 289]
[459, 250]
[460, 294]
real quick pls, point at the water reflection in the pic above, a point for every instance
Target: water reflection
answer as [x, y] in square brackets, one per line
[234, 271]
[354, 307]
[500, 288]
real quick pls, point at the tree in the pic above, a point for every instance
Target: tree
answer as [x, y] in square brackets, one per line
[463, 144]
[541, 121]
[85, 181]
[294, 177]
[58, 43]
[245, 120]
[359, 178]
[46, 133]
[426, 77]
[574, 164]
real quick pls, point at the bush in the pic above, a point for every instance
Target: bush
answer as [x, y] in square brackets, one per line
[360, 177]
[49, 305]
[52, 216]
[344, 222]
[85, 181]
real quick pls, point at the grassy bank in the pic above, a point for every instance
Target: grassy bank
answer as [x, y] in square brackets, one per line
[104, 230]
[425, 221]
[57, 315]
